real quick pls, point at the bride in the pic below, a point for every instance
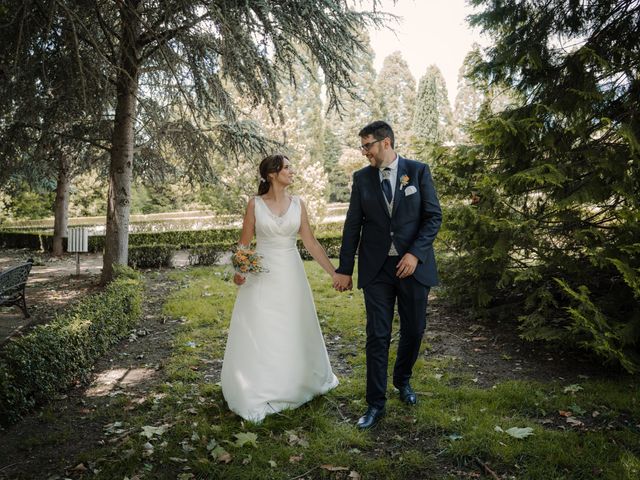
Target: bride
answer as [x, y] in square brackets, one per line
[275, 358]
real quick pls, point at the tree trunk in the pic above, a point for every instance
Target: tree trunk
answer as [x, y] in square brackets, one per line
[122, 143]
[61, 209]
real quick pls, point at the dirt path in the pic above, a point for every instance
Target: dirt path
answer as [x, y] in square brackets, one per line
[52, 286]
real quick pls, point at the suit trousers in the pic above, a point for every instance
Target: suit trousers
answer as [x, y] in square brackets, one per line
[380, 296]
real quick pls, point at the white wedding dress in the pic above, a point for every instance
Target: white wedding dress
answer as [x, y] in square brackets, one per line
[275, 357]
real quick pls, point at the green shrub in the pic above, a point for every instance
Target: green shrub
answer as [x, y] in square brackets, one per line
[208, 253]
[53, 357]
[328, 229]
[140, 256]
[331, 244]
[179, 239]
[30, 240]
[150, 256]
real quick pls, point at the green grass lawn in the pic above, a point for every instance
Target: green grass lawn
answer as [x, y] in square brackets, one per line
[184, 429]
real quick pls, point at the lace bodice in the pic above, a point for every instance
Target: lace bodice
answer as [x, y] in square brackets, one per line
[273, 231]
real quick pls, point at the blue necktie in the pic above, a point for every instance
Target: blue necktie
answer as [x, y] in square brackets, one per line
[386, 185]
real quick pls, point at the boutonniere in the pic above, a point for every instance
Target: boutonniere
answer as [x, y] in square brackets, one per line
[404, 180]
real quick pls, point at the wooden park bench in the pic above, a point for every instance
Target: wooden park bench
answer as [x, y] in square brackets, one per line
[12, 283]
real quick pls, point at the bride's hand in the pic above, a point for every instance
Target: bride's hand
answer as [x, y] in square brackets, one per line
[238, 279]
[341, 282]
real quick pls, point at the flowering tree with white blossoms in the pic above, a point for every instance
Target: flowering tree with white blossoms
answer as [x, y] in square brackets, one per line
[311, 183]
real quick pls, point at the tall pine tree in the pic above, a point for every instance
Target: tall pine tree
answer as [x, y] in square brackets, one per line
[551, 234]
[396, 90]
[357, 111]
[432, 119]
[470, 97]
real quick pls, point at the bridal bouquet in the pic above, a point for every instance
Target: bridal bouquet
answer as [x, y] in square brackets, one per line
[245, 260]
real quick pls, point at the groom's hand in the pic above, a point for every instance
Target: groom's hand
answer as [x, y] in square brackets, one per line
[342, 282]
[406, 266]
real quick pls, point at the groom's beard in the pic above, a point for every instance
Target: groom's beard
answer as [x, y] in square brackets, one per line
[375, 162]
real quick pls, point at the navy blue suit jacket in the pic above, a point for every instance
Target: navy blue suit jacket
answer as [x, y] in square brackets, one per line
[413, 226]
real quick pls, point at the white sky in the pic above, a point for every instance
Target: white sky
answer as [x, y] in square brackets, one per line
[429, 32]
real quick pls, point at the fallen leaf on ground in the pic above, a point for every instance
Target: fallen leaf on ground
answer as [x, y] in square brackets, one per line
[296, 439]
[243, 438]
[575, 422]
[574, 388]
[212, 444]
[516, 432]
[149, 431]
[221, 455]
[333, 468]
[147, 450]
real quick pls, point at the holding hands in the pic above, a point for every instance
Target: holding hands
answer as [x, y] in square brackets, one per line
[405, 268]
[342, 282]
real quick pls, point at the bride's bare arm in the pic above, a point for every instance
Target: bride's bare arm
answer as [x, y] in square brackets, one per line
[312, 245]
[248, 230]
[248, 223]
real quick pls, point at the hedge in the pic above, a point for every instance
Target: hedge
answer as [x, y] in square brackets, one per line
[53, 357]
[150, 256]
[208, 253]
[331, 244]
[30, 240]
[179, 239]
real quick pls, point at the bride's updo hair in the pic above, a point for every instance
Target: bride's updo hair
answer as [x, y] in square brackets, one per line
[270, 164]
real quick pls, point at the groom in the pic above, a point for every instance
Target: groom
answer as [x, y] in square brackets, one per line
[393, 218]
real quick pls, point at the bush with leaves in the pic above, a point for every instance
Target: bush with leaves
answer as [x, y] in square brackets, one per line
[151, 256]
[178, 239]
[330, 243]
[208, 253]
[543, 217]
[53, 357]
[30, 240]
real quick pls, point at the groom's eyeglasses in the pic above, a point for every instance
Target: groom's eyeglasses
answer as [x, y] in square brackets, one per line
[367, 146]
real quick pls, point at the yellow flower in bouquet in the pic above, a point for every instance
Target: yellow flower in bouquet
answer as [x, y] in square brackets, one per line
[245, 260]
